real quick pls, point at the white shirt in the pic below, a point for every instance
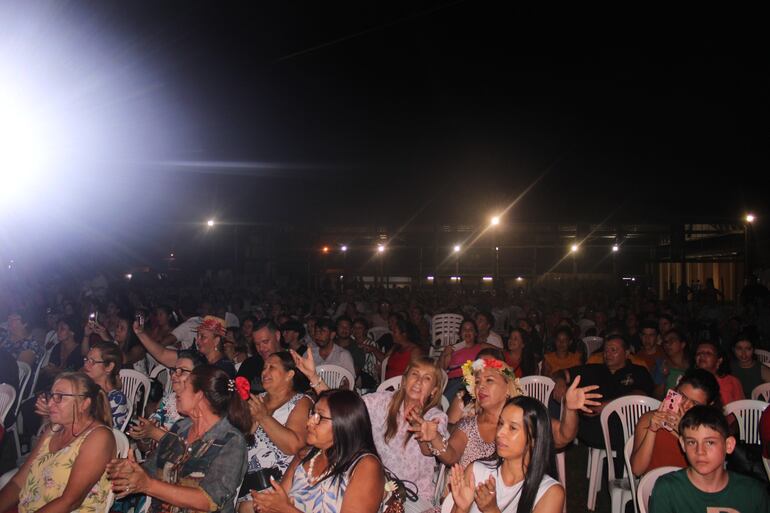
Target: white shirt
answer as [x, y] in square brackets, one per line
[507, 496]
[339, 356]
[494, 339]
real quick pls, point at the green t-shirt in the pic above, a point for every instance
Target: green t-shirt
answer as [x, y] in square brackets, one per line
[674, 493]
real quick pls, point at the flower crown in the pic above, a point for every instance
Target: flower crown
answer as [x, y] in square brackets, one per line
[471, 367]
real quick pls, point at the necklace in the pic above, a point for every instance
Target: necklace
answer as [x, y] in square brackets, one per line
[312, 479]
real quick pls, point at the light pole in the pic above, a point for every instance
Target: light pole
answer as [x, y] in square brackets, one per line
[494, 223]
[747, 234]
[574, 250]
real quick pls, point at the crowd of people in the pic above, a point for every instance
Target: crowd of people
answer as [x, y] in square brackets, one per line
[248, 424]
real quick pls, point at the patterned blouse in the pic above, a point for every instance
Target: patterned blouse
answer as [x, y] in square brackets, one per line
[476, 448]
[49, 474]
[263, 453]
[407, 462]
[166, 414]
[119, 407]
[326, 496]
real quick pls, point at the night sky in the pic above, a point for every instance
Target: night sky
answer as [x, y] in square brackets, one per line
[372, 113]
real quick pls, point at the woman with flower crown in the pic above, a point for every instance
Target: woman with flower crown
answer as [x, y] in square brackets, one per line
[491, 383]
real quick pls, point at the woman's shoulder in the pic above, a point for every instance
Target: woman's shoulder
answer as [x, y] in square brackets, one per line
[467, 423]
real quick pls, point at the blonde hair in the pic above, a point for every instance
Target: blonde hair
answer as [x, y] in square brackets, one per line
[398, 397]
[100, 405]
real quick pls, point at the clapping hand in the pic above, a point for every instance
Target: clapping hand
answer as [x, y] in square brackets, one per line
[305, 364]
[127, 476]
[485, 495]
[273, 500]
[462, 489]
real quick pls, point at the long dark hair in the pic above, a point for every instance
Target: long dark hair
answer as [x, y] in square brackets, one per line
[703, 380]
[528, 363]
[352, 431]
[222, 396]
[111, 354]
[299, 382]
[542, 458]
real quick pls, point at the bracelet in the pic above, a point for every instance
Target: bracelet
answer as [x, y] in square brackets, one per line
[437, 452]
[320, 380]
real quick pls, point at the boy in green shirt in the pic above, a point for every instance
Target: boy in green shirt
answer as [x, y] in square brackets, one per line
[705, 486]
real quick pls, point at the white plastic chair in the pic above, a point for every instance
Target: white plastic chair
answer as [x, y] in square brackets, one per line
[647, 483]
[131, 381]
[627, 450]
[444, 329]
[334, 374]
[7, 396]
[747, 412]
[761, 392]
[629, 409]
[763, 356]
[121, 450]
[24, 374]
[384, 366]
[440, 482]
[592, 344]
[157, 373]
[766, 463]
[42, 363]
[392, 383]
[7, 477]
[377, 332]
[539, 387]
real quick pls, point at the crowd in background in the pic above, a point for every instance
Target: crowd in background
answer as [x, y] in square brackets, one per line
[245, 403]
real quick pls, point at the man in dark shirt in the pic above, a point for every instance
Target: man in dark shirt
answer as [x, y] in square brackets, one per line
[616, 377]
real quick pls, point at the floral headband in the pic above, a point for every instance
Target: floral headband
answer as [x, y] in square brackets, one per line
[472, 367]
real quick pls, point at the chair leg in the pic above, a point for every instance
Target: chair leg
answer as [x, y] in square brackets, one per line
[17, 442]
[594, 481]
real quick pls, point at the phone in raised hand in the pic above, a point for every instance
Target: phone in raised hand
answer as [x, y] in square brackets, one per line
[670, 405]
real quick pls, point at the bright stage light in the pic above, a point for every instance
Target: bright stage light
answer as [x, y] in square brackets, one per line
[210, 223]
[380, 248]
[574, 248]
[344, 248]
[615, 248]
[495, 221]
[456, 248]
[23, 153]
[750, 218]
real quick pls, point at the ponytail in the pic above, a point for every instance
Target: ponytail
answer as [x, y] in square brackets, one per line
[99, 410]
[222, 395]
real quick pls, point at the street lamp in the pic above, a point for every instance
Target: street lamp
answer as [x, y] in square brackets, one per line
[210, 223]
[456, 248]
[495, 221]
[380, 248]
[574, 248]
[615, 248]
[747, 236]
[344, 248]
[749, 218]
[325, 249]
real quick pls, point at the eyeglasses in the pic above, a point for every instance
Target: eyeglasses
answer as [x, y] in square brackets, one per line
[316, 417]
[179, 371]
[91, 360]
[57, 397]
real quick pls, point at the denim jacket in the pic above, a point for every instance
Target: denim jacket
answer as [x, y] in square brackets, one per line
[215, 463]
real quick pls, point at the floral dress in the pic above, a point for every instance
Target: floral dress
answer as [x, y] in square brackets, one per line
[49, 474]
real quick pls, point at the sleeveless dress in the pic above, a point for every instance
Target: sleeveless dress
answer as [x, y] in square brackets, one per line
[476, 448]
[326, 496]
[49, 474]
[263, 453]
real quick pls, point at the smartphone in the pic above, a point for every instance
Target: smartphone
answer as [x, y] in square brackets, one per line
[92, 317]
[670, 405]
[140, 319]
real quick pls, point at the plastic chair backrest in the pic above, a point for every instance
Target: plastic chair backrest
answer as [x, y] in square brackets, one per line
[25, 372]
[761, 392]
[393, 383]
[121, 449]
[592, 344]
[763, 356]
[384, 365]
[334, 374]
[647, 483]
[42, 363]
[157, 373]
[629, 408]
[131, 381]
[747, 412]
[377, 332]
[445, 329]
[7, 396]
[539, 387]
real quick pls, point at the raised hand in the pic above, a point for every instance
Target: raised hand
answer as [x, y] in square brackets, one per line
[462, 489]
[424, 430]
[305, 364]
[581, 398]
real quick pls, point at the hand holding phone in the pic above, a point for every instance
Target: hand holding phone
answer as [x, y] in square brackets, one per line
[670, 405]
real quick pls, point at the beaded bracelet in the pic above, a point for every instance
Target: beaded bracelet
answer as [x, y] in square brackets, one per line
[437, 452]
